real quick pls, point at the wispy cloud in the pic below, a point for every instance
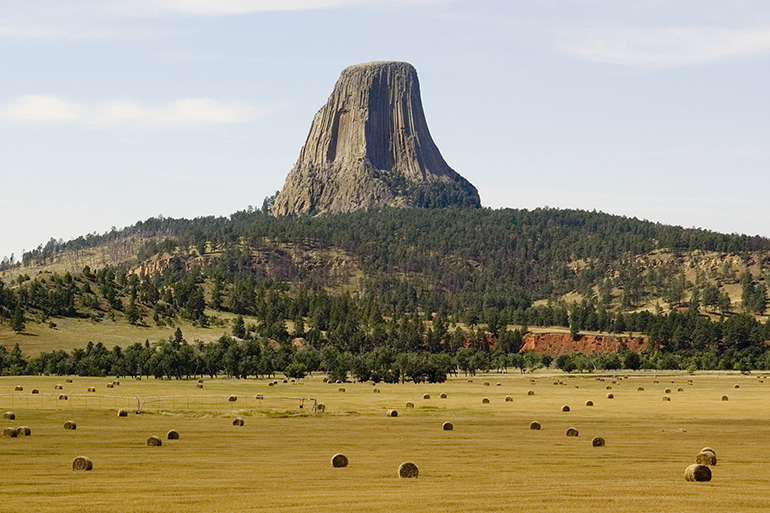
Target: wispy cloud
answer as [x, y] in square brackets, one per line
[186, 112]
[234, 7]
[668, 47]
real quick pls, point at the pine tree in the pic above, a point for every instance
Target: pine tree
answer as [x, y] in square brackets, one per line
[18, 321]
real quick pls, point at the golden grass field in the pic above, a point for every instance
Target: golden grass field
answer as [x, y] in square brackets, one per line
[279, 461]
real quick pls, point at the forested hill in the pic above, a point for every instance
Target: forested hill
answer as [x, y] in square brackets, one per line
[492, 258]
[408, 280]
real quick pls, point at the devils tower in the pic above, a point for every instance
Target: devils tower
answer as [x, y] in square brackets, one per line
[369, 146]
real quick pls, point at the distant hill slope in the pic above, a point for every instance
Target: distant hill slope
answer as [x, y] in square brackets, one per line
[410, 279]
[513, 256]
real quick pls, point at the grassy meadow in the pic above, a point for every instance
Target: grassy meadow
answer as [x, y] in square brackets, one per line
[280, 459]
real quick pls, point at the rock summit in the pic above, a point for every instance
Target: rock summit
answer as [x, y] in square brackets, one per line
[369, 146]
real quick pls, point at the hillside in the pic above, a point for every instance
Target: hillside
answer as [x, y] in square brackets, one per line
[417, 279]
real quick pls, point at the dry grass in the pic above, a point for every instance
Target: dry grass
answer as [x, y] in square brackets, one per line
[470, 469]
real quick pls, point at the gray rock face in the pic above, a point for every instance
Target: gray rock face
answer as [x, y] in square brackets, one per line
[369, 146]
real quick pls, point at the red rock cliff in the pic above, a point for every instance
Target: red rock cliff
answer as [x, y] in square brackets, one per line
[555, 344]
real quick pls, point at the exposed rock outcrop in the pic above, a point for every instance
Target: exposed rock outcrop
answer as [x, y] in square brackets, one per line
[556, 344]
[369, 146]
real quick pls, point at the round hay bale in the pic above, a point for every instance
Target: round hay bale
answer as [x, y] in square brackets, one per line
[200, 385]
[470, 381]
[91, 389]
[122, 413]
[392, 413]
[19, 388]
[706, 458]
[10, 432]
[598, 442]
[23, 431]
[666, 398]
[232, 398]
[110, 385]
[577, 386]
[68, 380]
[640, 389]
[269, 384]
[259, 396]
[498, 384]
[63, 397]
[341, 389]
[426, 396]
[697, 472]
[736, 386]
[376, 390]
[200, 380]
[610, 396]
[608, 387]
[239, 421]
[442, 395]
[530, 392]
[486, 383]
[447, 426]
[320, 407]
[572, 432]
[485, 400]
[82, 463]
[725, 398]
[35, 391]
[508, 399]
[534, 425]
[337, 382]
[116, 383]
[565, 408]
[408, 469]
[154, 441]
[173, 434]
[9, 415]
[667, 391]
[655, 381]
[71, 425]
[409, 404]
[589, 403]
[339, 460]
[680, 389]
[285, 380]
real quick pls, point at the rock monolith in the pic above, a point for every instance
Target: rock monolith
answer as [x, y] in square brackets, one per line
[369, 146]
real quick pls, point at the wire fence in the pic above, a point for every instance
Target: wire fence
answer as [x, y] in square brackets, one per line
[209, 402]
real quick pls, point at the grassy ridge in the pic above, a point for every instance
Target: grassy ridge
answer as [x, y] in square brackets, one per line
[490, 462]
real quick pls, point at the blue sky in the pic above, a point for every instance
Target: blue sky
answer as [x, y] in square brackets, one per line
[115, 111]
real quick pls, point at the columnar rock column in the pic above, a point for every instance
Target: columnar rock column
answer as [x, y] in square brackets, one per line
[369, 146]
